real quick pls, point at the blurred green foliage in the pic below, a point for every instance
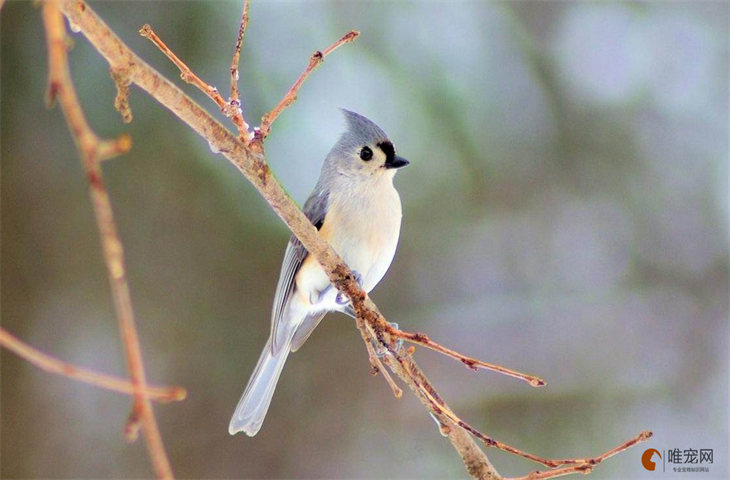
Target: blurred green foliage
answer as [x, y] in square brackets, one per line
[565, 214]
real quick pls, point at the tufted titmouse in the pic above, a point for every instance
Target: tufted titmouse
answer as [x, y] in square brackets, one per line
[357, 210]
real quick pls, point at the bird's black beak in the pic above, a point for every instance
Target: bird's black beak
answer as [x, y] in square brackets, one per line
[396, 162]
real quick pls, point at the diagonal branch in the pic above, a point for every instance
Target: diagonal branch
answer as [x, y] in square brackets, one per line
[93, 151]
[475, 460]
[54, 365]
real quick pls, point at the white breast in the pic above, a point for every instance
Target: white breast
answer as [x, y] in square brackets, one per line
[368, 216]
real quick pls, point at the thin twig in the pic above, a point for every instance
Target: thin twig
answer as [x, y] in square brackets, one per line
[386, 335]
[185, 73]
[229, 109]
[440, 408]
[376, 364]
[235, 99]
[314, 61]
[109, 382]
[475, 460]
[405, 367]
[92, 151]
[473, 363]
[587, 465]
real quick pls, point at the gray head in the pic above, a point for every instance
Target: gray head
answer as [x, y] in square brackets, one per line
[364, 149]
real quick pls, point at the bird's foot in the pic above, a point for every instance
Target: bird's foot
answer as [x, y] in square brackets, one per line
[342, 299]
[381, 350]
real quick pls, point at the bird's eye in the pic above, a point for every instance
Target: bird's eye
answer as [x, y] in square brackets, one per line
[366, 154]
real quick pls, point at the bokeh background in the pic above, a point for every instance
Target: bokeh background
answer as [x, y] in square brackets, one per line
[565, 214]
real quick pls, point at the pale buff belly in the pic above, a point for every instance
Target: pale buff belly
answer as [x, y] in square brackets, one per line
[366, 242]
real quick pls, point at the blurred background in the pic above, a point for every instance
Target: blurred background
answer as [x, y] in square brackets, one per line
[565, 214]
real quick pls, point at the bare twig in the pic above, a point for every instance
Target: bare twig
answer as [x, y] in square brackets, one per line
[249, 159]
[473, 363]
[475, 460]
[109, 382]
[235, 97]
[585, 465]
[229, 109]
[92, 151]
[423, 389]
[185, 73]
[375, 363]
[439, 407]
[314, 61]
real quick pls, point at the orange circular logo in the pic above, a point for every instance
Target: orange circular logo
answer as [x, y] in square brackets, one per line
[646, 458]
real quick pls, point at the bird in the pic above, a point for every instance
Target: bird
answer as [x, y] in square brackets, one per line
[357, 209]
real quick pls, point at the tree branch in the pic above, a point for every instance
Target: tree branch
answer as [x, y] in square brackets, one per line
[585, 465]
[475, 460]
[235, 99]
[375, 363]
[314, 61]
[423, 340]
[109, 382]
[231, 109]
[92, 151]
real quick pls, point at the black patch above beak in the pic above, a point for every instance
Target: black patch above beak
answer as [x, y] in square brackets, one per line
[396, 162]
[391, 159]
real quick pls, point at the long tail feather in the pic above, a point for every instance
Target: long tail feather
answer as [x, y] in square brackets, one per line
[255, 401]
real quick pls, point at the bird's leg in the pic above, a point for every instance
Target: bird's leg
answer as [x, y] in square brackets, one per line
[380, 350]
[342, 299]
[398, 344]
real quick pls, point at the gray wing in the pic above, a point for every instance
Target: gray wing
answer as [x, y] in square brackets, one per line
[315, 209]
[305, 330]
